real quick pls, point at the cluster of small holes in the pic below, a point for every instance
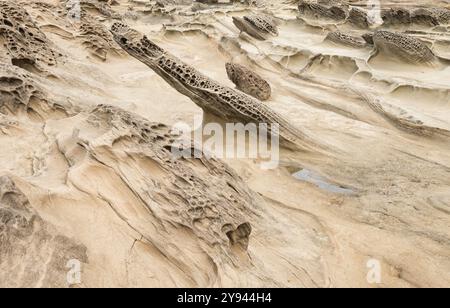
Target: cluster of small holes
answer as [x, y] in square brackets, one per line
[415, 48]
[339, 37]
[396, 16]
[433, 16]
[97, 38]
[82, 7]
[13, 207]
[328, 9]
[16, 88]
[197, 201]
[136, 44]
[358, 17]
[263, 23]
[143, 131]
[229, 103]
[248, 82]
[187, 74]
[237, 101]
[22, 38]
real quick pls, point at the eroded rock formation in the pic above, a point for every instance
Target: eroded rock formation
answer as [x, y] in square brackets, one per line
[223, 102]
[26, 45]
[90, 176]
[248, 81]
[32, 252]
[333, 9]
[426, 16]
[345, 39]
[21, 95]
[403, 46]
[257, 26]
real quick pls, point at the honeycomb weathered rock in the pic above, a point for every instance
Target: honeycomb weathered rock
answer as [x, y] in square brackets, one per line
[97, 39]
[333, 9]
[431, 16]
[32, 252]
[26, 45]
[248, 81]
[21, 94]
[395, 16]
[359, 18]
[211, 199]
[257, 26]
[345, 39]
[80, 8]
[428, 16]
[403, 46]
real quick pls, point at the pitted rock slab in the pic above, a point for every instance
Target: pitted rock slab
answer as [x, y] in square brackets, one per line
[403, 46]
[332, 9]
[26, 240]
[97, 39]
[257, 26]
[20, 94]
[428, 16]
[80, 8]
[211, 199]
[214, 98]
[25, 43]
[248, 81]
[431, 16]
[346, 39]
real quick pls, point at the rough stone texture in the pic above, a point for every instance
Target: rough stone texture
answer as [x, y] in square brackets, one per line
[82, 7]
[107, 178]
[20, 94]
[333, 9]
[431, 16]
[263, 23]
[358, 18]
[97, 39]
[32, 252]
[26, 45]
[395, 16]
[215, 205]
[345, 39]
[248, 81]
[403, 46]
[258, 26]
[426, 16]
[212, 97]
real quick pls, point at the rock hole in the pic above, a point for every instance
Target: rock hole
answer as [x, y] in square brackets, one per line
[25, 64]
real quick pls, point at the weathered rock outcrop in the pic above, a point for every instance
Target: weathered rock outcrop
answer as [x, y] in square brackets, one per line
[214, 204]
[32, 252]
[431, 16]
[26, 45]
[214, 98]
[257, 26]
[20, 94]
[248, 81]
[426, 16]
[333, 9]
[345, 39]
[403, 46]
[359, 18]
[97, 39]
[80, 8]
